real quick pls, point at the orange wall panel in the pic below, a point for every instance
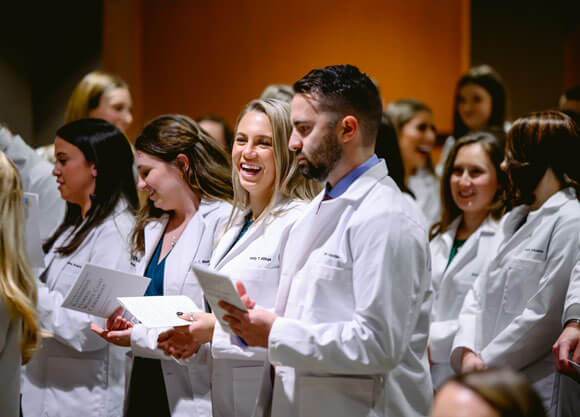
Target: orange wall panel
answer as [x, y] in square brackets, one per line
[213, 57]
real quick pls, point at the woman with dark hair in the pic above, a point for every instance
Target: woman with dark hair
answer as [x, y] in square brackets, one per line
[463, 241]
[187, 177]
[490, 393]
[479, 103]
[511, 316]
[387, 148]
[75, 372]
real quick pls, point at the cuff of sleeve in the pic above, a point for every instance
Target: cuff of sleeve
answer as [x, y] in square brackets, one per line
[144, 342]
[275, 341]
[441, 340]
[572, 312]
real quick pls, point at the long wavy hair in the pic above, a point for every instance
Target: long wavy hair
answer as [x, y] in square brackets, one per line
[288, 182]
[494, 148]
[208, 175]
[536, 142]
[17, 284]
[104, 145]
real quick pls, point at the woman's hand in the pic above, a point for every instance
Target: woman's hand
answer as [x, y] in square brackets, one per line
[118, 330]
[184, 341]
[471, 362]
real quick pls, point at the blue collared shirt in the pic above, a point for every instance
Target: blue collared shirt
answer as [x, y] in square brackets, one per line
[351, 177]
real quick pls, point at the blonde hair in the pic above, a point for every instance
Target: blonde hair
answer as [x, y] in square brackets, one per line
[289, 182]
[17, 284]
[88, 92]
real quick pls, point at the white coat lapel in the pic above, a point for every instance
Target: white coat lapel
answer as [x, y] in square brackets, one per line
[254, 231]
[221, 252]
[153, 233]
[182, 255]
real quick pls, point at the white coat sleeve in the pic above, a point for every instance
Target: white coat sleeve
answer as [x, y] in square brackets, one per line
[572, 305]
[530, 335]
[391, 277]
[144, 342]
[108, 249]
[144, 345]
[467, 323]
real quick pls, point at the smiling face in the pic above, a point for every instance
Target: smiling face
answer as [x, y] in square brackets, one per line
[474, 105]
[253, 155]
[416, 139]
[473, 180]
[313, 138]
[163, 181]
[115, 107]
[74, 174]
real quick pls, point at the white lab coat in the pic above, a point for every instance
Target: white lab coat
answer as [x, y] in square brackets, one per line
[76, 372]
[255, 261]
[356, 285]
[10, 359]
[425, 185]
[451, 284]
[36, 176]
[572, 305]
[187, 385]
[511, 316]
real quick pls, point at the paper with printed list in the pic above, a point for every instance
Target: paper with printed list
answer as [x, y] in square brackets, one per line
[96, 289]
[160, 310]
[32, 231]
[217, 287]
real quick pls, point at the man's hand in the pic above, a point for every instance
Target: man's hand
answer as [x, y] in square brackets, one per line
[567, 344]
[253, 325]
[471, 362]
[184, 341]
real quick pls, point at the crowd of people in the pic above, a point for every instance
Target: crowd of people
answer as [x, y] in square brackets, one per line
[377, 280]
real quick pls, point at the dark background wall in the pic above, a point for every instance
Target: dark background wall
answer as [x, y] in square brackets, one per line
[45, 49]
[416, 49]
[525, 42]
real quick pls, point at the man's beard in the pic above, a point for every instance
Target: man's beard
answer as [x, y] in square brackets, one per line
[323, 159]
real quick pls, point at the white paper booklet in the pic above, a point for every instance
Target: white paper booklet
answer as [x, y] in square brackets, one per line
[160, 311]
[96, 289]
[217, 287]
[32, 231]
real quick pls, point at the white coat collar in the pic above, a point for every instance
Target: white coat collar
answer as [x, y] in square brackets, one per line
[224, 252]
[557, 200]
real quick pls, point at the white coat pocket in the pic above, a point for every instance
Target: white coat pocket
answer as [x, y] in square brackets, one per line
[326, 286]
[246, 386]
[341, 396]
[83, 377]
[523, 278]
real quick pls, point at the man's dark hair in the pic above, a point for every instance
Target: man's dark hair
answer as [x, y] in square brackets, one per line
[345, 90]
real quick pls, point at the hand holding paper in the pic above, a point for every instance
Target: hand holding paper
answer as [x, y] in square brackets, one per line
[159, 311]
[217, 287]
[96, 289]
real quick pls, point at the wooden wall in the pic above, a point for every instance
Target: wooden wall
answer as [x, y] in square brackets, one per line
[194, 57]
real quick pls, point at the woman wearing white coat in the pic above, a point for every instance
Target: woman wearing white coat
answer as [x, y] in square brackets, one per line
[186, 175]
[269, 194]
[74, 372]
[19, 326]
[464, 240]
[511, 317]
